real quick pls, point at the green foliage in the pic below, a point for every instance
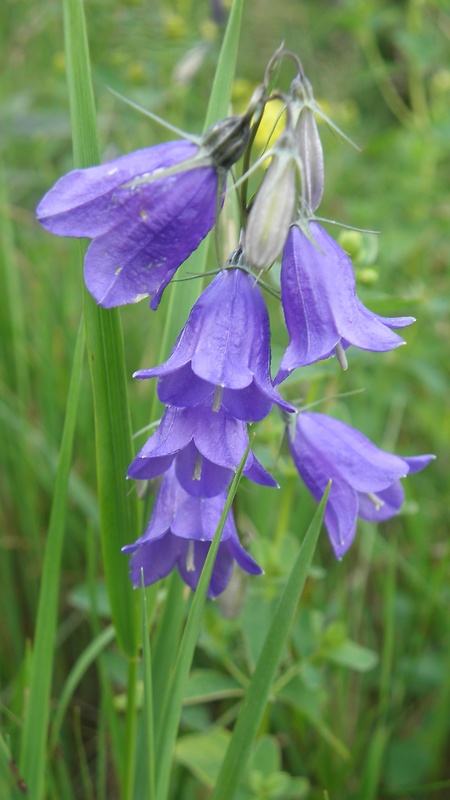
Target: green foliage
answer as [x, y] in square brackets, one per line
[359, 700]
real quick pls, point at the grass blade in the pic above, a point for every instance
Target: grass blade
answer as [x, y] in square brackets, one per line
[118, 507]
[148, 702]
[252, 711]
[219, 100]
[75, 675]
[33, 744]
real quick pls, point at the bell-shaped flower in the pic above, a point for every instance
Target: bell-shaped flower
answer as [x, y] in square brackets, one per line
[222, 355]
[179, 535]
[146, 211]
[365, 479]
[207, 447]
[322, 312]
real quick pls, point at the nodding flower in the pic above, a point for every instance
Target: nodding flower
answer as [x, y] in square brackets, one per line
[147, 211]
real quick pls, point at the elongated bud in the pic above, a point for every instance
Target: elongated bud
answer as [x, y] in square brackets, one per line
[225, 141]
[311, 155]
[273, 209]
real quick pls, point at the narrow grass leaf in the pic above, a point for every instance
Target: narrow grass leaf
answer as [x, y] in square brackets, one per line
[74, 677]
[219, 99]
[166, 644]
[148, 701]
[12, 785]
[118, 507]
[172, 711]
[33, 744]
[257, 695]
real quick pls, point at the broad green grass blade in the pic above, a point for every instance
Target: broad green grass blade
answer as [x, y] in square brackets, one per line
[78, 670]
[255, 701]
[33, 744]
[177, 688]
[118, 507]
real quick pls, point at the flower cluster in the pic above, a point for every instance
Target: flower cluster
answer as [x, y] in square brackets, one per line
[146, 212]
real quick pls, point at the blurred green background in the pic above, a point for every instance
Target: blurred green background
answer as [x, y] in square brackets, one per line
[381, 70]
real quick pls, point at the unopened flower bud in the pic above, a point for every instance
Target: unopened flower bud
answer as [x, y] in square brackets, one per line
[311, 155]
[225, 141]
[273, 209]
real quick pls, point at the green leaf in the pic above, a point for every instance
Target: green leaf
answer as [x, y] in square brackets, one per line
[12, 785]
[80, 598]
[267, 757]
[255, 621]
[206, 685]
[33, 743]
[202, 754]
[75, 675]
[353, 655]
[309, 704]
[257, 694]
[148, 789]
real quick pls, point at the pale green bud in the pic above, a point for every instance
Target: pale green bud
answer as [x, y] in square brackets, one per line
[273, 210]
[311, 154]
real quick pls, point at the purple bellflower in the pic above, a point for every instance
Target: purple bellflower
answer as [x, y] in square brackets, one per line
[322, 312]
[179, 534]
[365, 479]
[222, 355]
[146, 211]
[207, 448]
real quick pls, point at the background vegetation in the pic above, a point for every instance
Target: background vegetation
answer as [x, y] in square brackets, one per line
[363, 703]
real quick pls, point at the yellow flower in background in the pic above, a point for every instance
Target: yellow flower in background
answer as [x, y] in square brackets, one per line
[271, 124]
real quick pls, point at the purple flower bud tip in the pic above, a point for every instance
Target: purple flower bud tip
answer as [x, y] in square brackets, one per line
[222, 355]
[365, 479]
[179, 535]
[321, 309]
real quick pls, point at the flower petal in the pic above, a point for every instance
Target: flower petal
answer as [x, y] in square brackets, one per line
[88, 202]
[190, 565]
[162, 224]
[156, 559]
[320, 303]
[225, 344]
[384, 505]
[349, 454]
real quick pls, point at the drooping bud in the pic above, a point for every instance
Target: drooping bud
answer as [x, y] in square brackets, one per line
[309, 144]
[311, 155]
[273, 209]
[225, 141]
